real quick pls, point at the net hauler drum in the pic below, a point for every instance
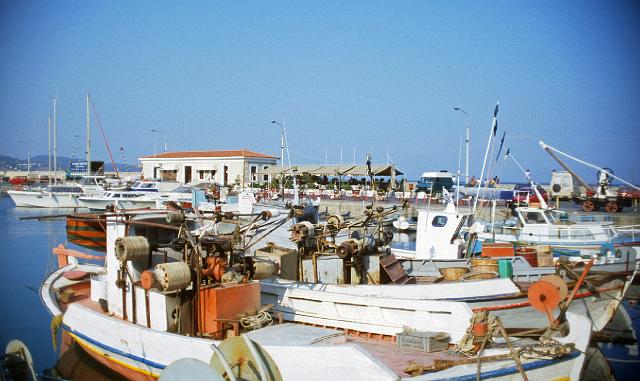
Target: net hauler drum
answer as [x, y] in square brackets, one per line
[173, 276]
[131, 248]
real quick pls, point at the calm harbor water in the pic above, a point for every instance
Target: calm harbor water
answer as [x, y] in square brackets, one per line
[25, 247]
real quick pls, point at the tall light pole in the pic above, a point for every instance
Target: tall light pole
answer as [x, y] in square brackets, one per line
[164, 136]
[281, 150]
[466, 116]
[281, 140]
[28, 155]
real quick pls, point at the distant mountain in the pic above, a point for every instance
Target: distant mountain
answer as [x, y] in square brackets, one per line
[41, 163]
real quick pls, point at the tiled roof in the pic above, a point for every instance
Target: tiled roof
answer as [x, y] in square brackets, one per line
[226, 153]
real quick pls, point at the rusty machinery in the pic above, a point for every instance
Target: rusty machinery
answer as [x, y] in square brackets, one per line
[367, 236]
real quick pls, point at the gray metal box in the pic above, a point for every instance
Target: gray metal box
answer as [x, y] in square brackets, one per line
[330, 270]
[287, 259]
[371, 265]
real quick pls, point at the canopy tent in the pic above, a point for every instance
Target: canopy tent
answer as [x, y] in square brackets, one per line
[376, 170]
[288, 170]
[274, 170]
[331, 170]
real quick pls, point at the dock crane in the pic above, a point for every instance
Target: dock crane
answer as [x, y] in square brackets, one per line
[602, 196]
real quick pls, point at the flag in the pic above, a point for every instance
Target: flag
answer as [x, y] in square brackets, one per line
[495, 112]
[446, 196]
[501, 143]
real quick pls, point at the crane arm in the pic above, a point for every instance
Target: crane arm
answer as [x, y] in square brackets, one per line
[564, 165]
[550, 150]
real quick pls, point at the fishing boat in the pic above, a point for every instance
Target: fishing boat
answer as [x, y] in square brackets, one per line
[166, 292]
[550, 227]
[352, 262]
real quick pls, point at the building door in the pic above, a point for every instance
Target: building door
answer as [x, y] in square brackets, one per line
[225, 174]
[187, 174]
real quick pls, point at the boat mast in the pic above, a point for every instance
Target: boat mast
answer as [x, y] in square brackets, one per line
[466, 168]
[492, 133]
[88, 137]
[55, 146]
[49, 144]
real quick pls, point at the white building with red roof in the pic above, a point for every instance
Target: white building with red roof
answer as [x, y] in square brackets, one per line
[227, 167]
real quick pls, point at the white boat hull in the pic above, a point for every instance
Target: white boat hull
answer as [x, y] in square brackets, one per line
[141, 353]
[35, 199]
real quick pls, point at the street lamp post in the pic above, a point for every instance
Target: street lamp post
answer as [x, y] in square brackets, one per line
[281, 150]
[281, 140]
[467, 144]
[164, 136]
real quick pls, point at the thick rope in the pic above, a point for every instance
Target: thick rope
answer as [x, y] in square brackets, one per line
[259, 320]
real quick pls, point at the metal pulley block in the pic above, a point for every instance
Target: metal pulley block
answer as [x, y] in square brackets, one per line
[335, 221]
[348, 248]
[302, 231]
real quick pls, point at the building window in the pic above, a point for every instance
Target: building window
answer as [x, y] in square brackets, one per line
[168, 175]
[253, 169]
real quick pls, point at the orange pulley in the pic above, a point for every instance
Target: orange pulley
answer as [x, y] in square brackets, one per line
[546, 294]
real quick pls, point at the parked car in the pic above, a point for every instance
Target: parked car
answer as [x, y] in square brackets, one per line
[628, 192]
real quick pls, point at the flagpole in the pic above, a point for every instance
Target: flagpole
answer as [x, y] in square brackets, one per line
[494, 127]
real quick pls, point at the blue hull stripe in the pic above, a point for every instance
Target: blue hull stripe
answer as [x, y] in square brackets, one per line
[469, 377]
[513, 369]
[114, 350]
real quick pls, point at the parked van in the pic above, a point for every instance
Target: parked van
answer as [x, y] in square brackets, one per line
[563, 185]
[437, 180]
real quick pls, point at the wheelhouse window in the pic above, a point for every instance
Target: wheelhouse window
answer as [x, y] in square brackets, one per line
[439, 221]
[534, 218]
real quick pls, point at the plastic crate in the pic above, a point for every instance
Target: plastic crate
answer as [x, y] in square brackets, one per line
[423, 341]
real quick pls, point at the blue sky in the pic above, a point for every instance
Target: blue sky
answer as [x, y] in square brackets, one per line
[376, 76]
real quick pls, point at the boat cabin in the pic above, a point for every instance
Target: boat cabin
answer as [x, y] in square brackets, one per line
[154, 186]
[437, 234]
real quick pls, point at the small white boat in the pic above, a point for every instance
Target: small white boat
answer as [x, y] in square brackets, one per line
[58, 195]
[156, 200]
[100, 202]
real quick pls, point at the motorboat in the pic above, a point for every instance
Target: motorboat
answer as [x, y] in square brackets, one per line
[58, 195]
[100, 202]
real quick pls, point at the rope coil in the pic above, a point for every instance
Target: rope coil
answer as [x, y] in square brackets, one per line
[260, 319]
[131, 248]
